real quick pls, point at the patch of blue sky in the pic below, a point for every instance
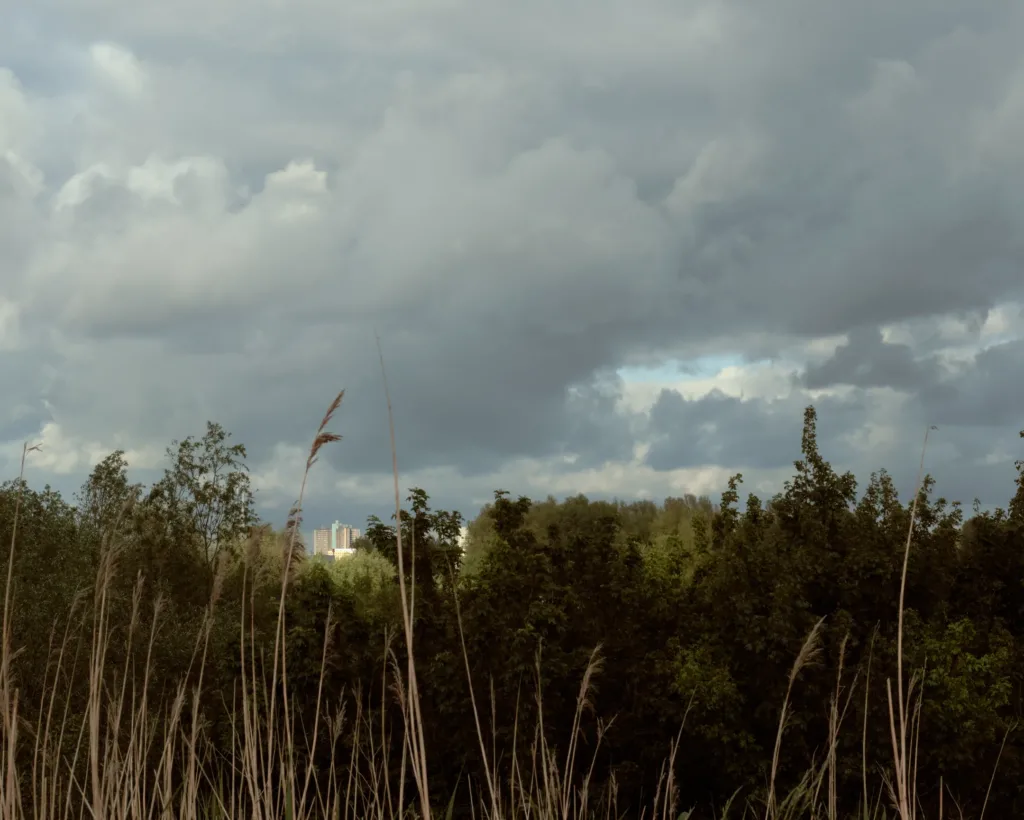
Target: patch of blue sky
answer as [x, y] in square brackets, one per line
[677, 370]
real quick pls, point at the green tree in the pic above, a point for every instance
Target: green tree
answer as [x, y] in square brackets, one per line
[205, 494]
[430, 536]
[106, 504]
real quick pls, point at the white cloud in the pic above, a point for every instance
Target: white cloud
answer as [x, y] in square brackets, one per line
[118, 67]
[9, 336]
[767, 380]
[16, 118]
[724, 170]
[65, 455]
[208, 210]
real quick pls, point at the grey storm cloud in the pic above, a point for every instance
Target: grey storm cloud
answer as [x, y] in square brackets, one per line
[738, 433]
[866, 360]
[987, 393]
[210, 211]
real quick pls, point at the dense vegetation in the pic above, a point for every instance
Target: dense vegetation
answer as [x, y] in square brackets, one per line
[690, 626]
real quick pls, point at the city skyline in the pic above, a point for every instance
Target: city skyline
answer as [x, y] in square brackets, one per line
[338, 539]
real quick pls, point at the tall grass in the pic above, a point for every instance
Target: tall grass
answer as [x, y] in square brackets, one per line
[132, 756]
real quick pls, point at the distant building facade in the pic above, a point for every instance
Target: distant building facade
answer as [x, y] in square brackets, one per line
[321, 541]
[342, 538]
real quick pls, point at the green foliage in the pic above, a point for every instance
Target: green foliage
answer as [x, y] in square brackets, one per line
[107, 500]
[697, 612]
[365, 572]
[205, 494]
[968, 685]
[431, 551]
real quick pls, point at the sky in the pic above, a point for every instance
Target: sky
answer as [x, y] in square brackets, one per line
[611, 248]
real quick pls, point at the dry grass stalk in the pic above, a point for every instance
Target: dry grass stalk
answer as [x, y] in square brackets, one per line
[904, 776]
[836, 718]
[865, 815]
[415, 740]
[9, 698]
[280, 673]
[995, 768]
[808, 652]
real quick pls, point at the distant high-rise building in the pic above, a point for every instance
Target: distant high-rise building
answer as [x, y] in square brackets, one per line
[343, 536]
[322, 541]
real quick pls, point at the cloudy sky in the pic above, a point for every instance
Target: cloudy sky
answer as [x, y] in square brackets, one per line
[609, 247]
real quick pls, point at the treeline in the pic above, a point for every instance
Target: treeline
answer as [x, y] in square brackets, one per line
[681, 621]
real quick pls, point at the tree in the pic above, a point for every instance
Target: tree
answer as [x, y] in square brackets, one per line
[105, 501]
[1017, 503]
[206, 493]
[433, 535]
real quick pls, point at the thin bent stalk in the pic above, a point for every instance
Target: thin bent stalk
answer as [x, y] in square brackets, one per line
[9, 699]
[905, 804]
[415, 739]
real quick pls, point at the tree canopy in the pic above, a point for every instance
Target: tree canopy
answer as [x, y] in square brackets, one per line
[685, 618]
